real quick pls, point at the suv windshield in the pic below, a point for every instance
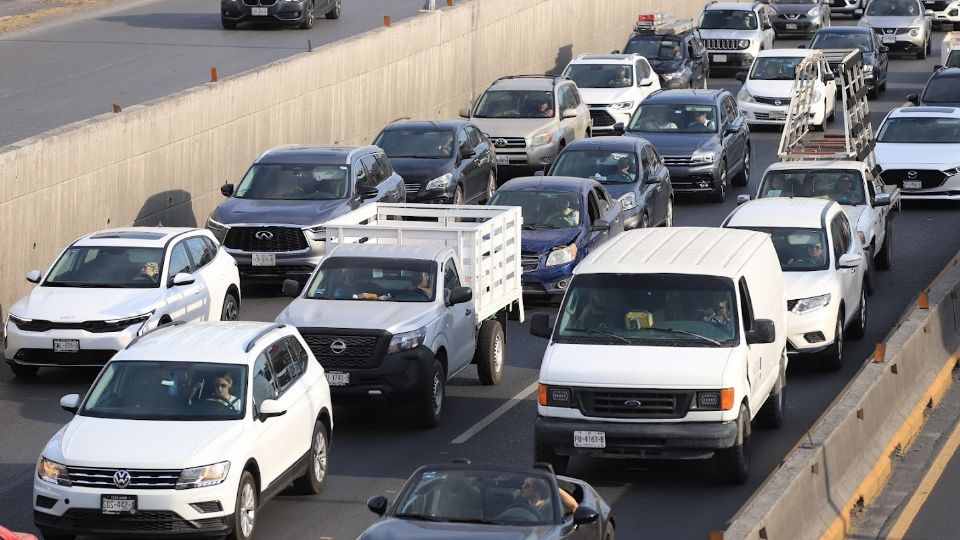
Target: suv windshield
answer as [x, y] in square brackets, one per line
[141, 390]
[515, 104]
[543, 209]
[942, 90]
[601, 75]
[728, 19]
[107, 267]
[374, 278]
[799, 250]
[653, 309]
[893, 8]
[842, 40]
[775, 68]
[927, 130]
[674, 118]
[655, 47]
[416, 143]
[299, 182]
[843, 186]
[603, 166]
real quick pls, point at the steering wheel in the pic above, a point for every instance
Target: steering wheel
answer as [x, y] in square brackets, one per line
[143, 277]
[219, 400]
[518, 512]
[556, 220]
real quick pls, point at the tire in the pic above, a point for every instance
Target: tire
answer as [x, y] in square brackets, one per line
[457, 195]
[743, 178]
[668, 220]
[489, 355]
[227, 25]
[874, 92]
[858, 326]
[929, 45]
[231, 309]
[833, 111]
[430, 405]
[334, 12]
[771, 414]
[883, 85]
[24, 372]
[884, 258]
[308, 17]
[644, 221]
[245, 509]
[610, 532]
[832, 359]
[719, 193]
[313, 480]
[922, 53]
[48, 535]
[733, 464]
[547, 455]
[491, 187]
[870, 278]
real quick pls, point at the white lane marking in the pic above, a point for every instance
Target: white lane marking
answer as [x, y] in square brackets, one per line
[500, 411]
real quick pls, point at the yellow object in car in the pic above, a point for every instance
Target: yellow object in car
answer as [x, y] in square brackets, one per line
[635, 320]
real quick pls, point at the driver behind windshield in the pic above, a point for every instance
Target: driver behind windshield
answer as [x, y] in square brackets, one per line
[623, 173]
[534, 494]
[621, 79]
[148, 270]
[565, 214]
[659, 120]
[700, 122]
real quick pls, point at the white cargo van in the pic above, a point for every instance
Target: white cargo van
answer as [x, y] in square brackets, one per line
[669, 342]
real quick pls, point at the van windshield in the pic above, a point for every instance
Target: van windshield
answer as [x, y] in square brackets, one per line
[649, 309]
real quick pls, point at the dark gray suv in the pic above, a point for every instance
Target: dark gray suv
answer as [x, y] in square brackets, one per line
[272, 222]
[299, 13]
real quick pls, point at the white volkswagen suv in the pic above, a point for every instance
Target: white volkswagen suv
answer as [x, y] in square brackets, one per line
[108, 287]
[823, 271]
[188, 431]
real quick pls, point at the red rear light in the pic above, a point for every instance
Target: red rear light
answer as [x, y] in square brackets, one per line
[646, 18]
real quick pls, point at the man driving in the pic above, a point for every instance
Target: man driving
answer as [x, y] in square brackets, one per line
[658, 120]
[623, 173]
[701, 122]
[622, 78]
[845, 193]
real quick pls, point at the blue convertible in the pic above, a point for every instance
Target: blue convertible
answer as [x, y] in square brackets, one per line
[563, 219]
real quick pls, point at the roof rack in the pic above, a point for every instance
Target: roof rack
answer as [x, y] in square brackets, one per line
[662, 23]
[253, 341]
[152, 330]
[554, 78]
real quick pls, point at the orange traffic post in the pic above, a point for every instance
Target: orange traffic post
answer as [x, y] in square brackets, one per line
[386, 20]
[213, 74]
[923, 302]
[880, 353]
[449, 3]
[117, 108]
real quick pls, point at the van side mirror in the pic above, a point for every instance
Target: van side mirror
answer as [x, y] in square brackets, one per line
[849, 260]
[600, 225]
[226, 189]
[377, 505]
[460, 295]
[742, 76]
[540, 325]
[764, 332]
[881, 199]
[914, 98]
[464, 112]
[34, 276]
[291, 288]
[70, 403]
[270, 408]
[619, 128]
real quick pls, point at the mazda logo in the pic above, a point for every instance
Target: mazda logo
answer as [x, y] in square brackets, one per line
[912, 174]
[338, 346]
[499, 143]
[264, 235]
[121, 478]
[632, 403]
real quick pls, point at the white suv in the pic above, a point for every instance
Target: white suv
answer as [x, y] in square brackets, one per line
[108, 287]
[612, 85]
[824, 269]
[189, 429]
[765, 95]
[734, 33]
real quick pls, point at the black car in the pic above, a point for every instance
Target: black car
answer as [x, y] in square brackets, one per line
[674, 51]
[703, 138]
[646, 196]
[442, 162]
[942, 89]
[798, 17]
[837, 41]
[299, 13]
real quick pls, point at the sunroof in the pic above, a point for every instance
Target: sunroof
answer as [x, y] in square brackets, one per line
[129, 235]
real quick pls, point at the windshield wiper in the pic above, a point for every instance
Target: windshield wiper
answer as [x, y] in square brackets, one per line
[602, 332]
[419, 517]
[684, 332]
[535, 227]
[475, 520]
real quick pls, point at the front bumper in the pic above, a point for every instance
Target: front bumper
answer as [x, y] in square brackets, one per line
[694, 178]
[937, 187]
[796, 27]
[280, 12]
[301, 263]
[36, 348]
[429, 196]
[846, 7]
[529, 158]
[547, 281]
[729, 61]
[801, 330]
[397, 378]
[950, 15]
[776, 115]
[605, 117]
[903, 42]
[675, 83]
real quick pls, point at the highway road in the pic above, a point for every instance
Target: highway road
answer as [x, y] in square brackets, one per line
[375, 450]
[139, 50]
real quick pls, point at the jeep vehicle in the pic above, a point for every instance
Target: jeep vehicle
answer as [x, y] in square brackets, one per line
[674, 49]
[734, 34]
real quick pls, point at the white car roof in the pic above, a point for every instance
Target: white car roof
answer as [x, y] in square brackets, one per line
[789, 53]
[817, 164]
[925, 111]
[676, 250]
[133, 236]
[782, 212]
[221, 342]
[741, 6]
[429, 251]
[606, 59]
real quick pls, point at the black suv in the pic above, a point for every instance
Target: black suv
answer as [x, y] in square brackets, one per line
[942, 89]
[837, 41]
[443, 162]
[702, 137]
[299, 13]
[674, 51]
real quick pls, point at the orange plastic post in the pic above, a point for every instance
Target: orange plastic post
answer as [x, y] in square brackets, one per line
[386, 20]
[923, 302]
[117, 108]
[213, 74]
[880, 353]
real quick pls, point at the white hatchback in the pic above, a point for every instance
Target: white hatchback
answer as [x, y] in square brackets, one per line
[109, 287]
[767, 87]
[189, 429]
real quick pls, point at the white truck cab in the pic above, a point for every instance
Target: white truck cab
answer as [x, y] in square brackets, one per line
[669, 342]
[612, 85]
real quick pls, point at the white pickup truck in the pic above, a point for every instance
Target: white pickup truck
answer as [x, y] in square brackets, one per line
[408, 296]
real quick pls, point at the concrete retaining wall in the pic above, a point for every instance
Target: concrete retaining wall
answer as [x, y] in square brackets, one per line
[164, 160]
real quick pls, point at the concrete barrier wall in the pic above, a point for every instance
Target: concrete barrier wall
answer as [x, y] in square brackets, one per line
[165, 160]
[847, 456]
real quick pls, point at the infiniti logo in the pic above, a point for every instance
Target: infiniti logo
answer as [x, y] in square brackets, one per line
[912, 174]
[499, 143]
[263, 235]
[632, 403]
[338, 346]
[121, 478]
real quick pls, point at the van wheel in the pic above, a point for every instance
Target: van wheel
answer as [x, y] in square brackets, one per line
[24, 372]
[245, 511]
[432, 392]
[231, 310]
[771, 414]
[313, 480]
[858, 327]
[733, 464]
[719, 193]
[884, 259]
[743, 178]
[490, 352]
[546, 454]
[832, 359]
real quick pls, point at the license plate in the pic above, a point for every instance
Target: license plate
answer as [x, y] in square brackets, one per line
[264, 259]
[66, 345]
[778, 115]
[503, 160]
[719, 58]
[258, 11]
[912, 184]
[336, 378]
[791, 26]
[888, 39]
[589, 439]
[114, 505]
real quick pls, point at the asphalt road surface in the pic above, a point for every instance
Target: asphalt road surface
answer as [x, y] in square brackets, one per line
[140, 50]
[375, 450]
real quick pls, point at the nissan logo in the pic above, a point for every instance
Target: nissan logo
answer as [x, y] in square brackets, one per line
[264, 235]
[912, 174]
[121, 478]
[338, 346]
[889, 30]
[777, 102]
[632, 403]
[499, 143]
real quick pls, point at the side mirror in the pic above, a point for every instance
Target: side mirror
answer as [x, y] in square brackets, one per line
[730, 129]
[767, 26]
[881, 199]
[651, 179]
[928, 13]
[540, 325]
[600, 225]
[802, 46]
[619, 128]
[34, 276]
[744, 198]
[367, 192]
[183, 278]
[765, 332]
[70, 403]
[827, 77]
[377, 505]
[741, 76]
[226, 189]
[884, 48]
[538, 173]
[568, 113]
[269, 409]
[291, 288]
[584, 515]
[466, 152]
[914, 98]
[459, 296]
[646, 82]
[696, 56]
[464, 112]
[850, 260]
[937, 67]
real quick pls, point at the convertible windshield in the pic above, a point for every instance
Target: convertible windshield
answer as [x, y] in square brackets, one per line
[893, 8]
[480, 496]
[775, 68]
[183, 391]
[655, 309]
[654, 47]
[927, 130]
[543, 209]
[942, 90]
[674, 118]
[515, 104]
[601, 75]
[290, 181]
[107, 267]
[799, 250]
[728, 19]
[842, 40]
[843, 186]
[374, 278]
[954, 59]
[603, 166]
[416, 143]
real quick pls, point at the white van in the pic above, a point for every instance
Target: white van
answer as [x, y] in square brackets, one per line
[669, 343]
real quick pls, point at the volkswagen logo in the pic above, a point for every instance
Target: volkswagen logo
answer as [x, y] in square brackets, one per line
[338, 346]
[499, 143]
[912, 174]
[264, 235]
[632, 403]
[121, 478]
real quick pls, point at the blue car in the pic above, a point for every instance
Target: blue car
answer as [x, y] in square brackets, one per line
[564, 218]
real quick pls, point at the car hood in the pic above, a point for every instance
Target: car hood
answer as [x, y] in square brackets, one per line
[665, 66]
[543, 240]
[401, 529]
[76, 304]
[772, 89]
[618, 190]
[907, 155]
[102, 442]
[418, 170]
[890, 22]
[723, 33]
[391, 316]
[792, 9]
[302, 213]
[806, 284]
[654, 367]
[605, 96]
[513, 127]
[678, 144]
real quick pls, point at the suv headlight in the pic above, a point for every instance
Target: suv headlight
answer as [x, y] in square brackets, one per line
[744, 96]
[562, 255]
[628, 201]
[208, 475]
[406, 341]
[623, 105]
[541, 139]
[17, 321]
[812, 303]
[914, 32]
[130, 321]
[53, 472]
[814, 11]
[703, 157]
[440, 182]
[817, 95]
[743, 43]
